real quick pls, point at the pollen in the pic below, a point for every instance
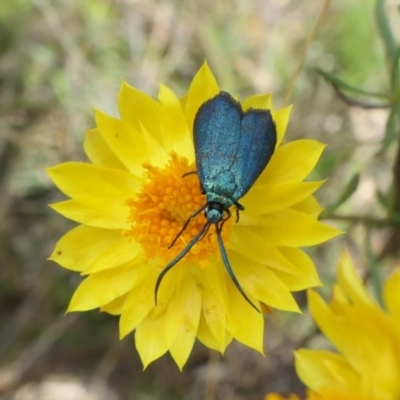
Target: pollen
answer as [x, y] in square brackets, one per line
[168, 197]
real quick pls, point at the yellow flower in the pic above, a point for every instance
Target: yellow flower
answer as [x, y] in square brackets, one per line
[328, 395]
[275, 396]
[132, 200]
[366, 336]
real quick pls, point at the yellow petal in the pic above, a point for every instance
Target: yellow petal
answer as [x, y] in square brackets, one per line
[310, 206]
[258, 101]
[351, 282]
[262, 284]
[98, 151]
[267, 198]
[140, 300]
[290, 228]
[167, 287]
[176, 134]
[386, 361]
[305, 276]
[79, 247]
[214, 301]
[339, 298]
[124, 140]
[292, 161]
[113, 256]
[183, 318]
[77, 179]
[115, 306]
[325, 319]
[102, 288]
[343, 331]
[132, 146]
[391, 294]
[244, 323]
[203, 87]
[214, 315]
[247, 242]
[135, 106]
[172, 328]
[158, 156]
[206, 337]
[320, 369]
[281, 119]
[105, 212]
[151, 339]
[276, 396]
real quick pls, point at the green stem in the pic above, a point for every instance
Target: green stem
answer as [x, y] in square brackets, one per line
[384, 30]
[362, 219]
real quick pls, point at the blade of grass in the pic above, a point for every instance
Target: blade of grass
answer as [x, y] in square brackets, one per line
[350, 188]
[384, 30]
[335, 81]
[395, 75]
[390, 131]
[304, 52]
[383, 200]
[353, 102]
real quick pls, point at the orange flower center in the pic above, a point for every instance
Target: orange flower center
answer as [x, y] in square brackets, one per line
[158, 213]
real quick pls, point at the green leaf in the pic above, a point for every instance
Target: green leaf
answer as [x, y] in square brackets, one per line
[335, 81]
[390, 131]
[350, 188]
[395, 217]
[383, 200]
[385, 31]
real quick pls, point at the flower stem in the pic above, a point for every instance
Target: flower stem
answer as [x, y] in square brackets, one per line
[363, 219]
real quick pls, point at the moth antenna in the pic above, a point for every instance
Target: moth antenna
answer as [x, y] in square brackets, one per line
[205, 233]
[179, 257]
[185, 225]
[229, 269]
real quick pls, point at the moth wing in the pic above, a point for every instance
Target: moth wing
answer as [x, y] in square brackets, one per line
[216, 132]
[256, 146]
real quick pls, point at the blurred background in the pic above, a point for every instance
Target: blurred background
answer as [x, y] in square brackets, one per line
[60, 58]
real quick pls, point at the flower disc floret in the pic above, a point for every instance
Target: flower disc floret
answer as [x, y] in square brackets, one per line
[168, 197]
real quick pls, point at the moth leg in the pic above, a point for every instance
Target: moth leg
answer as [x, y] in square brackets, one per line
[239, 207]
[224, 219]
[192, 173]
[189, 173]
[229, 214]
